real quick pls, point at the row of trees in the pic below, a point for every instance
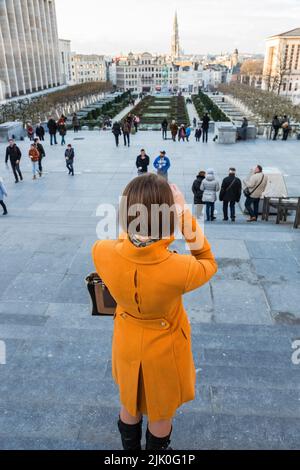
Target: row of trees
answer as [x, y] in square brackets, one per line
[263, 104]
[59, 102]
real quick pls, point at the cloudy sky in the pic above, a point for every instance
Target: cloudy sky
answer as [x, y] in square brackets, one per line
[116, 26]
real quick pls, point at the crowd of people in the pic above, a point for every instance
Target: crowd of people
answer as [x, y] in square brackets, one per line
[281, 123]
[206, 188]
[36, 153]
[129, 126]
[183, 132]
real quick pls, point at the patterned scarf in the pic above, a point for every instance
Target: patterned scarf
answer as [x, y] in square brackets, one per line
[139, 243]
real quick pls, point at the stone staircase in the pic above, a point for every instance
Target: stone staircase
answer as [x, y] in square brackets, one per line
[56, 392]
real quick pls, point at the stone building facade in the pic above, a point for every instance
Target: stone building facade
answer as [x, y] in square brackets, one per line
[65, 57]
[29, 58]
[281, 72]
[88, 68]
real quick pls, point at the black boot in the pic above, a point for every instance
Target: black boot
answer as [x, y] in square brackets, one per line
[157, 443]
[131, 435]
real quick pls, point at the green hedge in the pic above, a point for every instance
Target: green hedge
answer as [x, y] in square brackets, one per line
[204, 104]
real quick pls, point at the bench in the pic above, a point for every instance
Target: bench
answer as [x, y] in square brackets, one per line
[283, 206]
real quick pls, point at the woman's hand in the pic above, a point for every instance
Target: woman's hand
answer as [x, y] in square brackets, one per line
[179, 199]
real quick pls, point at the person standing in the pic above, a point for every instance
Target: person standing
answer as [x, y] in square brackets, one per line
[40, 132]
[210, 186]
[230, 194]
[126, 129]
[116, 130]
[181, 133]
[276, 126]
[205, 127]
[62, 129]
[152, 360]
[195, 123]
[136, 122]
[13, 153]
[198, 133]
[255, 186]
[244, 128]
[34, 156]
[198, 194]
[3, 194]
[30, 132]
[142, 163]
[164, 127]
[188, 133]
[75, 123]
[162, 164]
[174, 130]
[42, 153]
[286, 127]
[52, 127]
[69, 156]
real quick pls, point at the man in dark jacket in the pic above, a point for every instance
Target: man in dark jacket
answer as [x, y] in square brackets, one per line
[69, 156]
[230, 193]
[164, 127]
[126, 129]
[116, 130]
[42, 153]
[276, 125]
[52, 127]
[198, 194]
[205, 127]
[142, 163]
[13, 153]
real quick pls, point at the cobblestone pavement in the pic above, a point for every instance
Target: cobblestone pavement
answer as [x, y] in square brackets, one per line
[56, 389]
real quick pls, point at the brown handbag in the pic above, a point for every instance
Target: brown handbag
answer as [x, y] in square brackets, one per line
[102, 302]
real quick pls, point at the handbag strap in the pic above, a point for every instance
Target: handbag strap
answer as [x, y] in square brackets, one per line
[257, 186]
[230, 186]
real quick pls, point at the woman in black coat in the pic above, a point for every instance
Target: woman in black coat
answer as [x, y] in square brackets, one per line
[198, 194]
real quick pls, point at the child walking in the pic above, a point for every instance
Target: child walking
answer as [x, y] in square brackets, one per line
[34, 156]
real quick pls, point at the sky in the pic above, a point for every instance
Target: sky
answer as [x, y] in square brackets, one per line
[205, 26]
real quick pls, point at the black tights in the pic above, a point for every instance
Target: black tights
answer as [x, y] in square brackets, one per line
[3, 206]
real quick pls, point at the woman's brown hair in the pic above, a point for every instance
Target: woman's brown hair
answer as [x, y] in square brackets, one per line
[147, 208]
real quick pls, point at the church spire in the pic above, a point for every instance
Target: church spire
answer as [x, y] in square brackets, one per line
[175, 39]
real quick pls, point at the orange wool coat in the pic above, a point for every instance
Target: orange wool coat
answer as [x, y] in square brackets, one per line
[152, 359]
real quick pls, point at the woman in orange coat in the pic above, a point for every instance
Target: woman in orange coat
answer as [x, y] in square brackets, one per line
[152, 357]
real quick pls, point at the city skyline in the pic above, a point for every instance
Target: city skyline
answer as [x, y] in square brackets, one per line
[151, 27]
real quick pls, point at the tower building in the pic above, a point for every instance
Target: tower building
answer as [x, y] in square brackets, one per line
[175, 39]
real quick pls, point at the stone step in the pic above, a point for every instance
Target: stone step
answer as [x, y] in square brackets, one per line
[48, 426]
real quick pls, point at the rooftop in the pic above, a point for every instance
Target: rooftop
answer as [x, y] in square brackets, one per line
[293, 33]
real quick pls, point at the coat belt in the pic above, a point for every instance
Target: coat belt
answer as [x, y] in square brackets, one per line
[155, 324]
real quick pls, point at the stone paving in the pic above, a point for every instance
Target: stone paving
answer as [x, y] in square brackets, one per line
[56, 390]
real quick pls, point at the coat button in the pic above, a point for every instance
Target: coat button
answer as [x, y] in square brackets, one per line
[124, 316]
[163, 324]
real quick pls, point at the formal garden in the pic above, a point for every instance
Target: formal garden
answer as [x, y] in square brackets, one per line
[96, 115]
[263, 104]
[152, 110]
[204, 104]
